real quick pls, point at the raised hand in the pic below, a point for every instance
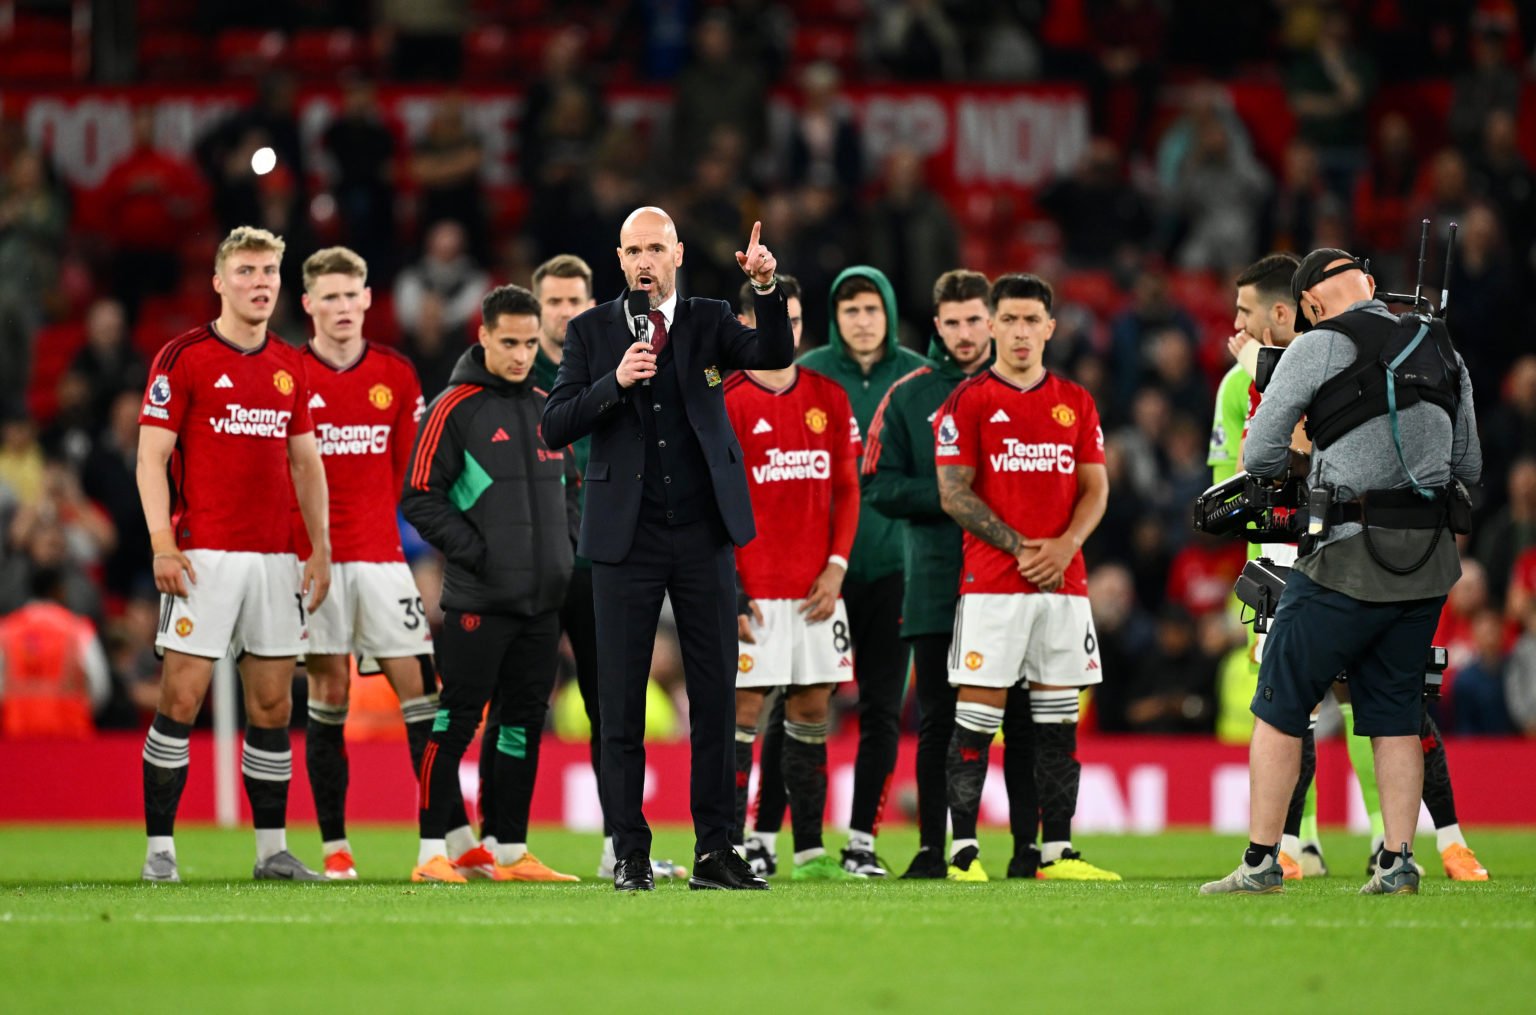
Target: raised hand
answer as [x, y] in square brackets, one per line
[758, 261]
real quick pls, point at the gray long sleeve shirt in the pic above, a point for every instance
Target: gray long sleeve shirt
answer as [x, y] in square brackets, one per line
[1364, 459]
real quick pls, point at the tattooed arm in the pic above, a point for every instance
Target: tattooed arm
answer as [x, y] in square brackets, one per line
[971, 512]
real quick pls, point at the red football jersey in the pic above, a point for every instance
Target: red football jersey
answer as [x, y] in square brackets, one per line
[801, 446]
[1025, 447]
[365, 419]
[233, 411]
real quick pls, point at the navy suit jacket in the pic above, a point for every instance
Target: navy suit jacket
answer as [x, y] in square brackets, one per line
[706, 341]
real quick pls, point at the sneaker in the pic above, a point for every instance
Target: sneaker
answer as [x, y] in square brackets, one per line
[863, 861]
[1289, 867]
[529, 868]
[161, 867]
[666, 870]
[1312, 863]
[1025, 862]
[476, 862]
[823, 868]
[1402, 878]
[1072, 867]
[339, 866]
[756, 852]
[438, 869]
[1370, 865]
[1460, 864]
[284, 866]
[1265, 879]
[966, 866]
[928, 863]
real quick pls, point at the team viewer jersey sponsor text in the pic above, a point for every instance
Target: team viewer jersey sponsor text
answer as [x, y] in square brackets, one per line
[365, 418]
[233, 411]
[1026, 447]
[802, 448]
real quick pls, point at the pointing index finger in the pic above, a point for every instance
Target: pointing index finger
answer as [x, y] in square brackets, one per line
[757, 231]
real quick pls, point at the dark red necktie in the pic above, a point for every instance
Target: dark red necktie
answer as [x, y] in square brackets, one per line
[658, 332]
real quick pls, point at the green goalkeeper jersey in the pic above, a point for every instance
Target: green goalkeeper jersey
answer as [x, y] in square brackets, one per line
[1232, 404]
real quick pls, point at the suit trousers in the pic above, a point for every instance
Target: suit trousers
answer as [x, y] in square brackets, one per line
[695, 564]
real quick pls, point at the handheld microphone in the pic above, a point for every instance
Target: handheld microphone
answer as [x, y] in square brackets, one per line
[639, 305]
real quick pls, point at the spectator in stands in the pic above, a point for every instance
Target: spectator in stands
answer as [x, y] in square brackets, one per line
[446, 275]
[148, 204]
[445, 166]
[914, 40]
[713, 216]
[130, 645]
[363, 149]
[53, 673]
[909, 233]
[1289, 220]
[1152, 309]
[1509, 430]
[1176, 691]
[1485, 309]
[224, 152]
[108, 479]
[1184, 449]
[1173, 370]
[557, 169]
[1103, 218]
[1520, 684]
[717, 89]
[1005, 49]
[1125, 635]
[1477, 702]
[1384, 195]
[1511, 530]
[1203, 102]
[1203, 573]
[1502, 176]
[21, 456]
[826, 241]
[1330, 88]
[825, 149]
[108, 362]
[564, 115]
[427, 37]
[1490, 85]
[32, 225]
[1127, 62]
[1217, 202]
[71, 432]
[41, 543]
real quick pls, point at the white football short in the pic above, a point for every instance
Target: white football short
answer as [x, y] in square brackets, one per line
[245, 602]
[1044, 638]
[790, 651]
[374, 609]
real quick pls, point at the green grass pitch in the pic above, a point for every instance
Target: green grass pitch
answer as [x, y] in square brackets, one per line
[79, 933]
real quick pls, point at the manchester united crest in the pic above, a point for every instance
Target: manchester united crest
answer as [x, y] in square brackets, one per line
[183, 627]
[283, 381]
[816, 420]
[744, 663]
[973, 661]
[469, 621]
[380, 397]
[1064, 415]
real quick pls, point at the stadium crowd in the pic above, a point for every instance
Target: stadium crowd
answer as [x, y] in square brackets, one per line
[1172, 198]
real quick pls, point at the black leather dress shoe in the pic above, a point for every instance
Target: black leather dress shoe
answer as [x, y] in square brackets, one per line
[633, 874]
[724, 868]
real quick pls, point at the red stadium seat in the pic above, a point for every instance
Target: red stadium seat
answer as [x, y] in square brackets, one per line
[321, 53]
[36, 66]
[249, 52]
[168, 55]
[54, 349]
[835, 44]
[489, 54]
[162, 318]
[1095, 290]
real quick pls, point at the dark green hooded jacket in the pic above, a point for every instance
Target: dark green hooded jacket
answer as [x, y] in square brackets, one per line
[877, 548]
[900, 480]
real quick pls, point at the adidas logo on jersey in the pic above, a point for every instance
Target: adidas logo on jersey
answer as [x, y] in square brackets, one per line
[763, 426]
[316, 402]
[499, 436]
[224, 382]
[999, 417]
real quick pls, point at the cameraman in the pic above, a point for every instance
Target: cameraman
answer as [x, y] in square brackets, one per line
[1361, 600]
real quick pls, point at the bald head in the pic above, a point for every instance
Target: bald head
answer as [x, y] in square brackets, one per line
[1333, 296]
[650, 254]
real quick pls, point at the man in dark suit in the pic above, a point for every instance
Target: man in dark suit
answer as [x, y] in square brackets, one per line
[666, 503]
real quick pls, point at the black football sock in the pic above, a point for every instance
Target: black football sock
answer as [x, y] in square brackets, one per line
[745, 736]
[1255, 854]
[418, 713]
[966, 766]
[805, 780]
[266, 762]
[166, 755]
[1019, 770]
[1438, 797]
[768, 815]
[325, 759]
[1298, 803]
[517, 768]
